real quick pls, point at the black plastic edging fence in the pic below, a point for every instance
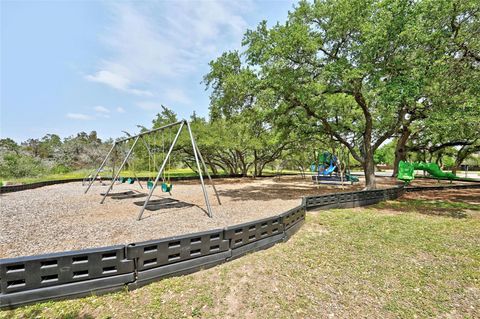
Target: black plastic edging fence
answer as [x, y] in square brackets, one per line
[72, 273]
[352, 199]
[25, 280]
[22, 187]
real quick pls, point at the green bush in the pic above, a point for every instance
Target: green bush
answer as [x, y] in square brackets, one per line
[60, 169]
[16, 166]
[385, 154]
[448, 161]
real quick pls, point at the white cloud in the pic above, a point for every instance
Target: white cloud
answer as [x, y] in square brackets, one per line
[101, 109]
[177, 96]
[116, 81]
[79, 116]
[151, 41]
[120, 109]
[149, 106]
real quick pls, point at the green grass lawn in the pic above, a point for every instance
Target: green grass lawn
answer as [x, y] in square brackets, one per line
[378, 262]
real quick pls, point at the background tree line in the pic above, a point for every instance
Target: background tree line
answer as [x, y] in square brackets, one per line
[229, 146]
[238, 145]
[50, 154]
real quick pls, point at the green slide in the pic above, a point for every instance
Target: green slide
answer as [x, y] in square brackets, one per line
[406, 171]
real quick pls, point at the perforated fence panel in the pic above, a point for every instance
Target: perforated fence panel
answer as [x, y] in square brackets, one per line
[292, 216]
[247, 233]
[27, 273]
[352, 199]
[155, 253]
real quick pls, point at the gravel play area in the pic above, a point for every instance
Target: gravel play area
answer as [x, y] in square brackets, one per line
[61, 217]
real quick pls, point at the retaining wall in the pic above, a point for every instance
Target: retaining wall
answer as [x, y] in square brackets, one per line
[25, 280]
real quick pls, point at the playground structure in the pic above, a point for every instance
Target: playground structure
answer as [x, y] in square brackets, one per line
[166, 186]
[406, 171]
[327, 169]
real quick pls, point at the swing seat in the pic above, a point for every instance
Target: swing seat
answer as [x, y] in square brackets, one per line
[122, 179]
[166, 187]
[130, 181]
[150, 184]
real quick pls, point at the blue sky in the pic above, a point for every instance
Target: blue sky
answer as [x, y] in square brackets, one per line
[71, 66]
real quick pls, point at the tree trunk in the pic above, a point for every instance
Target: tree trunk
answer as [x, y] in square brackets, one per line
[461, 156]
[368, 148]
[261, 168]
[368, 162]
[369, 168]
[401, 149]
[439, 160]
[455, 168]
[255, 159]
[213, 168]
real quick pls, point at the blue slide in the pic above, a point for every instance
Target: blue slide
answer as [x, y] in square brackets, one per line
[329, 170]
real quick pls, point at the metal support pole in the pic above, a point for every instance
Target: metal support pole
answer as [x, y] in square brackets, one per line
[119, 170]
[88, 175]
[113, 170]
[208, 174]
[150, 131]
[160, 172]
[138, 181]
[101, 166]
[146, 146]
[200, 172]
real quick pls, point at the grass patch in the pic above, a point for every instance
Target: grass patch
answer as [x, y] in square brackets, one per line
[342, 263]
[430, 207]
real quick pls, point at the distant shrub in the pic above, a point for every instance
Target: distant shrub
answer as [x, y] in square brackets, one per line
[17, 166]
[60, 169]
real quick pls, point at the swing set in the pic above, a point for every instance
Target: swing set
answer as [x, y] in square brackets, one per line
[166, 185]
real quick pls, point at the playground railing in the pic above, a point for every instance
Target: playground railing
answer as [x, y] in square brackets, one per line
[65, 274]
[352, 199]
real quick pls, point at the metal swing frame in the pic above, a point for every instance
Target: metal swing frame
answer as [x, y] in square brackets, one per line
[196, 152]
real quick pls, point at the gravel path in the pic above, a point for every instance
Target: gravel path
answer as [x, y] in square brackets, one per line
[60, 217]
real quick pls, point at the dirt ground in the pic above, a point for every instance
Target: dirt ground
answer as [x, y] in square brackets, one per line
[469, 196]
[61, 217]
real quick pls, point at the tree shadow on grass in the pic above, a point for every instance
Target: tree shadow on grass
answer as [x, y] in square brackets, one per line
[37, 312]
[429, 207]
